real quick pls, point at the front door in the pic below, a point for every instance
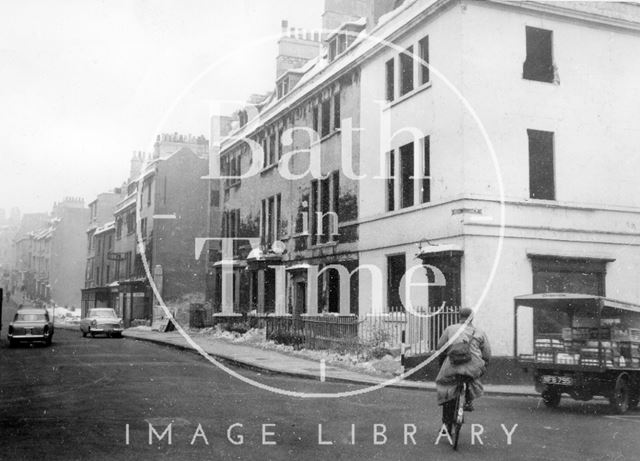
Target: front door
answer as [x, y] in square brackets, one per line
[300, 298]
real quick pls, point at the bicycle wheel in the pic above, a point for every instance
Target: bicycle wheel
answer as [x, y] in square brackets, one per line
[458, 416]
[456, 434]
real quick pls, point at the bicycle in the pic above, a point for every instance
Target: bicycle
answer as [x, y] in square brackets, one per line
[455, 407]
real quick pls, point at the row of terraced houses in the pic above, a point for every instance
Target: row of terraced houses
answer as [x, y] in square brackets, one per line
[490, 140]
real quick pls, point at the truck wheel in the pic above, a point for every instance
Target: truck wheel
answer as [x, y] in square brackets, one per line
[621, 398]
[551, 398]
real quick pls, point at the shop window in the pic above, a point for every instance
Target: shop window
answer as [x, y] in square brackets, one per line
[568, 275]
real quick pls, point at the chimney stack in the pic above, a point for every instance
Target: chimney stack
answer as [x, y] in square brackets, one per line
[137, 159]
[295, 47]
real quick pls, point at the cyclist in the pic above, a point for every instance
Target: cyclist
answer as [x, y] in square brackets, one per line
[473, 369]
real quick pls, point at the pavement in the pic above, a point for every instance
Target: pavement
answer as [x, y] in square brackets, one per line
[270, 361]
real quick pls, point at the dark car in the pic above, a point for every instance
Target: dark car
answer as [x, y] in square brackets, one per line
[31, 325]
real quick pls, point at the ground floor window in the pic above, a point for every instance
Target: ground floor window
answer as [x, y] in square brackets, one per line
[396, 268]
[568, 275]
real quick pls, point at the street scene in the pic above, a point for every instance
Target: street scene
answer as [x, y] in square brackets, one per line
[75, 400]
[351, 229]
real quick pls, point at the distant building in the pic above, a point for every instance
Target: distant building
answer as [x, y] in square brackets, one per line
[51, 258]
[100, 270]
[171, 197]
[23, 264]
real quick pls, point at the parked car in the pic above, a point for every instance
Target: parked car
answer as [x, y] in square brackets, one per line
[30, 324]
[101, 321]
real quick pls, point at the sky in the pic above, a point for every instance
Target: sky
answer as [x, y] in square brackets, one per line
[84, 83]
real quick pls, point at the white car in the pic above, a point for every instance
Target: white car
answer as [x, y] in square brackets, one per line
[101, 321]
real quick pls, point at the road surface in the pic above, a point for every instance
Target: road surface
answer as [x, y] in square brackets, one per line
[76, 399]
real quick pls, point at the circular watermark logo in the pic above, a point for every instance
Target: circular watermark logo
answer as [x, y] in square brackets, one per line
[363, 50]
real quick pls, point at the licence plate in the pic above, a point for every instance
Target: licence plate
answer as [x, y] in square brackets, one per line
[558, 380]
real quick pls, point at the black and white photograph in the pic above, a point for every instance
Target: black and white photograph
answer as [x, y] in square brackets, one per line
[320, 230]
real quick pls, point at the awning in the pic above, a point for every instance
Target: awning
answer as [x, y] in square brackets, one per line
[298, 267]
[434, 249]
[230, 262]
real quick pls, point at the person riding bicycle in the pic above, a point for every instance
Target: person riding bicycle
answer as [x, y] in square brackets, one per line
[479, 354]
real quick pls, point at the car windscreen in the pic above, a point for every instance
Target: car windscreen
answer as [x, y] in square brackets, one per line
[103, 314]
[30, 317]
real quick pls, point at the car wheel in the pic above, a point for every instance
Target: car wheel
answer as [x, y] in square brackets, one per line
[48, 341]
[620, 399]
[13, 343]
[551, 398]
[84, 333]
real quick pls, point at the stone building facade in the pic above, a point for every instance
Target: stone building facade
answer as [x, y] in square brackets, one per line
[488, 153]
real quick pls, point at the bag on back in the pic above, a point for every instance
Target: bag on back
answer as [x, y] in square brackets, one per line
[460, 353]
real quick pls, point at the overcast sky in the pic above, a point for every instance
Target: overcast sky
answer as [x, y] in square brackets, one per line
[83, 83]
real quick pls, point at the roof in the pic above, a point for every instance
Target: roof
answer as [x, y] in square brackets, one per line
[230, 262]
[44, 233]
[105, 228]
[357, 24]
[126, 203]
[394, 23]
[626, 11]
[431, 249]
[566, 299]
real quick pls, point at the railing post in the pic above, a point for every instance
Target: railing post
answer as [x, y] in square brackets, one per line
[402, 349]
